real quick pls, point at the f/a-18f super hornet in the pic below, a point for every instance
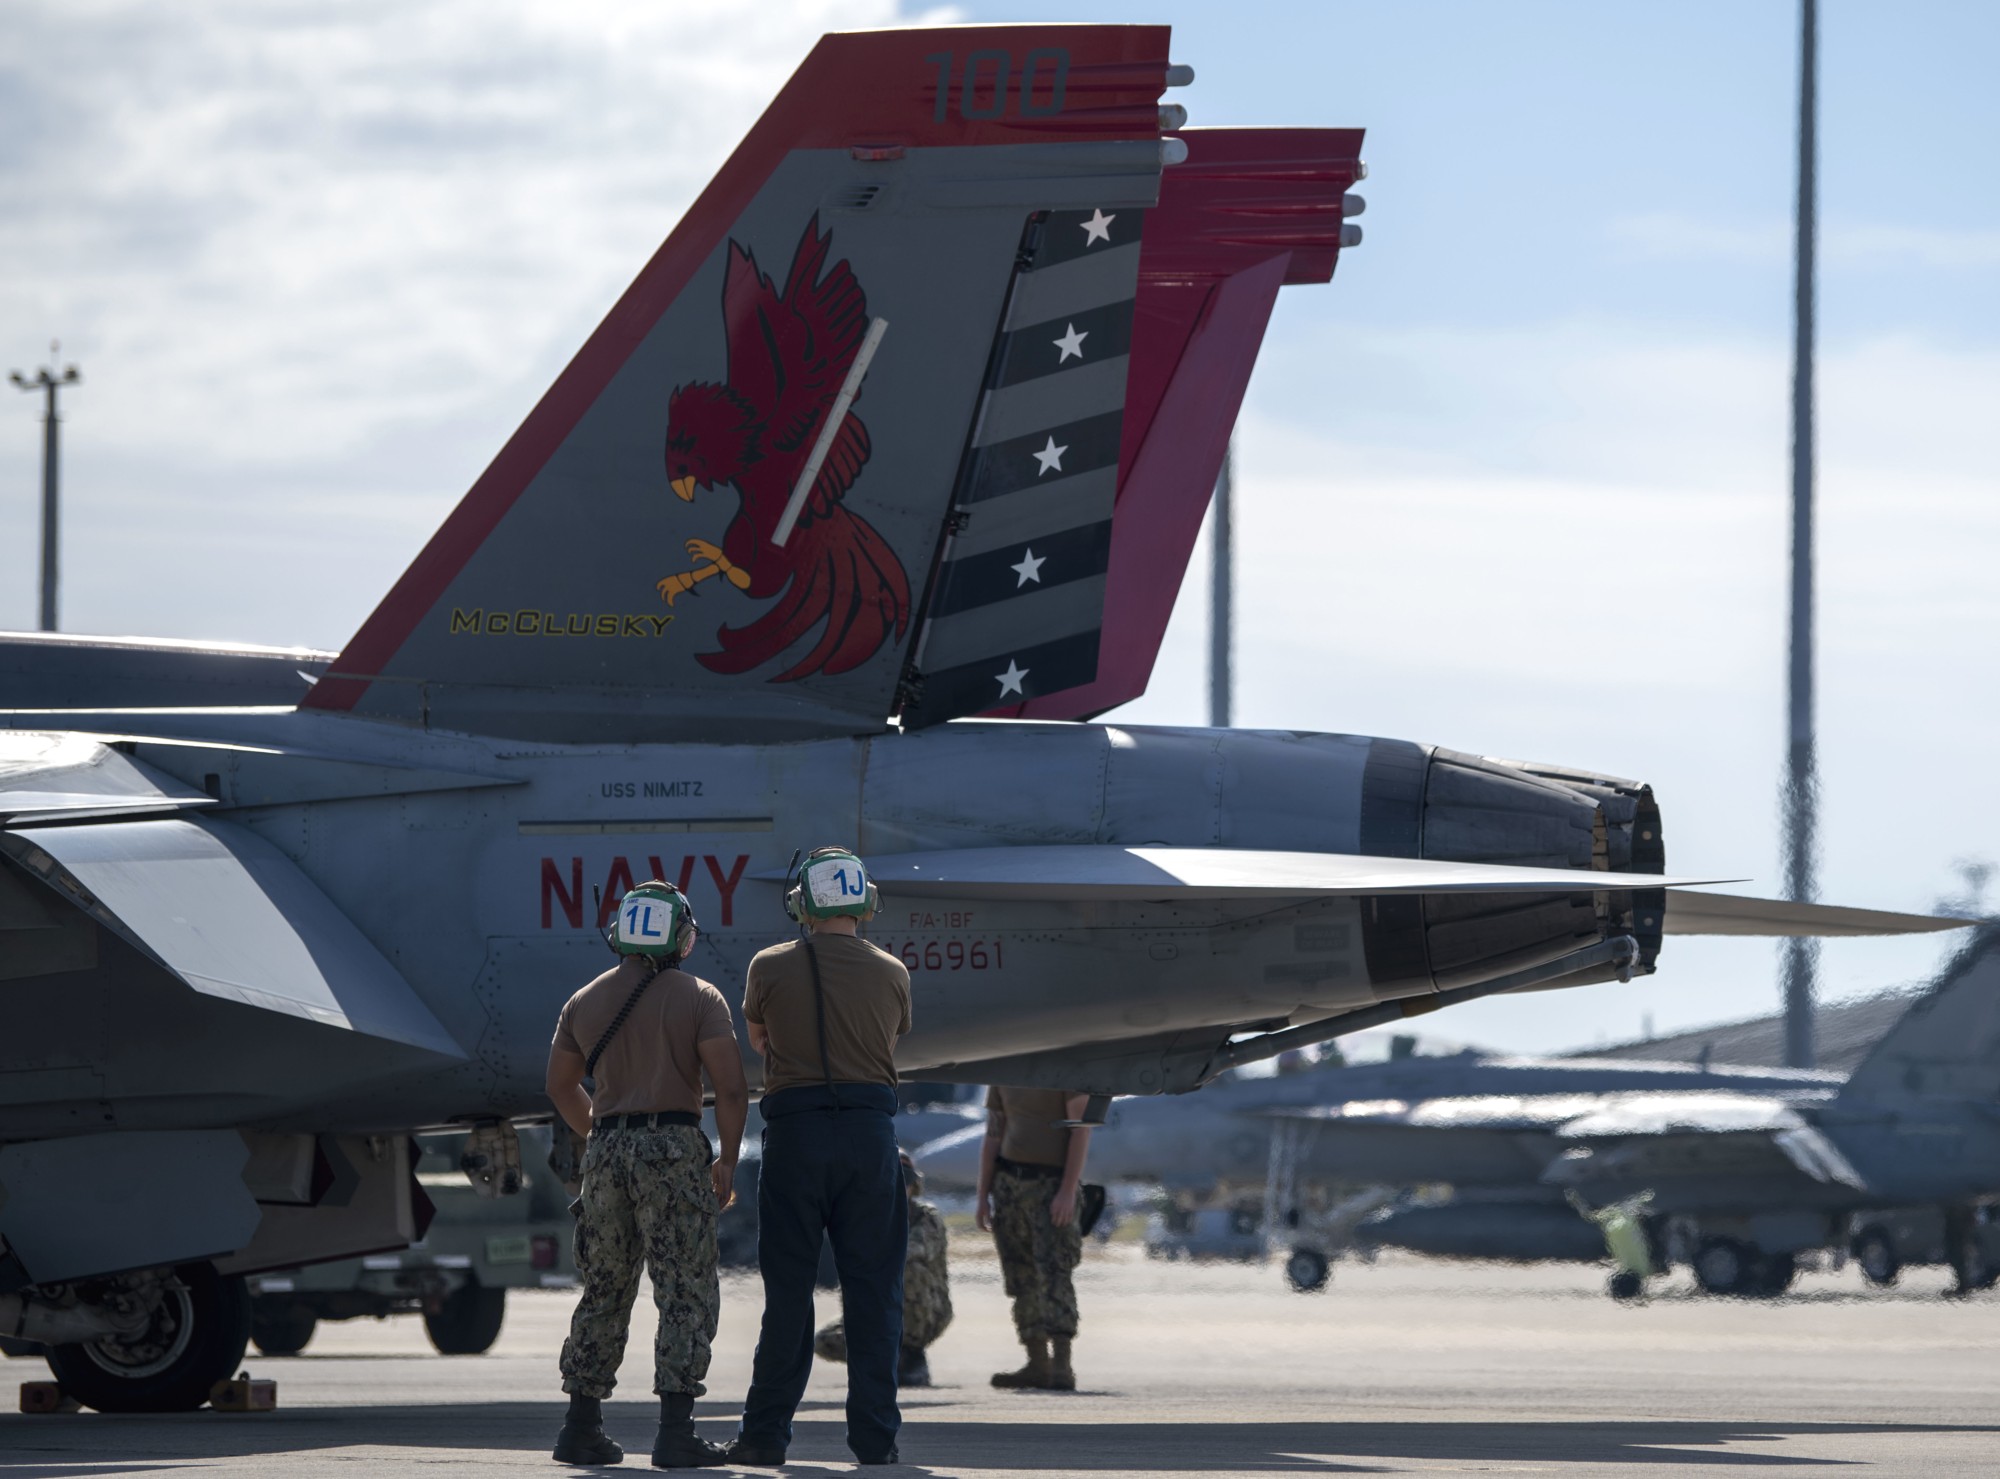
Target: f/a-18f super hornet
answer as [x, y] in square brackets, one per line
[913, 417]
[1267, 1140]
[1221, 1140]
[1734, 1171]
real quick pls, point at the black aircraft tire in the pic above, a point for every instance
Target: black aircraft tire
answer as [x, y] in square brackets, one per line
[1773, 1275]
[204, 1328]
[1724, 1266]
[469, 1322]
[280, 1327]
[1626, 1285]
[1307, 1270]
[1875, 1253]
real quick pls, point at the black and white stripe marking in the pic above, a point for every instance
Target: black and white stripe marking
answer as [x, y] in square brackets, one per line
[1017, 607]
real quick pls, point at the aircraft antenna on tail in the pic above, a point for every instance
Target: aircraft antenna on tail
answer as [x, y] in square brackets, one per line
[1801, 789]
[1221, 600]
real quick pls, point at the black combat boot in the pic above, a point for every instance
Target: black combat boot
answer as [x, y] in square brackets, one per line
[1062, 1377]
[679, 1446]
[582, 1439]
[754, 1453]
[913, 1368]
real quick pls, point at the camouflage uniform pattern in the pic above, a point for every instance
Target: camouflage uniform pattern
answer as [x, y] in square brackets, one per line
[1036, 1256]
[647, 1199]
[926, 1289]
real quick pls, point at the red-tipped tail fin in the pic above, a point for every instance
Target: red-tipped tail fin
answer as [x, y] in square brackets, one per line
[1248, 211]
[656, 497]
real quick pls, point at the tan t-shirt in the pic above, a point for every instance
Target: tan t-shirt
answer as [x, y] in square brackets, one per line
[653, 1062]
[1031, 1134]
[867, 1009]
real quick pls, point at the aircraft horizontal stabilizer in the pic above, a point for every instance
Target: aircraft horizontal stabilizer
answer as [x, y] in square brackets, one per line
[231, 916]
[1731, 914]
[1138, 873]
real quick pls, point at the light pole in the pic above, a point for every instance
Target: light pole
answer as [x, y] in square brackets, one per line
[50, 383]
[1801, 792]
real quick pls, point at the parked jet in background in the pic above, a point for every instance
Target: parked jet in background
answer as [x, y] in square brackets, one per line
[1261, 1140]
[1739, 1178]
[949, 348]
[1221, 1138]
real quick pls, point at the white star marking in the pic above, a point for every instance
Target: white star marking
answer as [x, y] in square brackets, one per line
[1097, 228]
[1010, 681]
[1029, 569]
[1070, 344]
[1050, 458]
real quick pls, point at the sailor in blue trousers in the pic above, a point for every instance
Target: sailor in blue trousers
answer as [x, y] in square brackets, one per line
[825, 1011]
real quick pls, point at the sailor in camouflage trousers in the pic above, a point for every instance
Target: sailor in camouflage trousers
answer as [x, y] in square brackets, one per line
[926, 1291]
[645, 1036]
[1030, 1179]
[1037, 1258]
[647, 1200]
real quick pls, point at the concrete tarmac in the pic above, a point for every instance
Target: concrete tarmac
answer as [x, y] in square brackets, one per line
[1406, 1366]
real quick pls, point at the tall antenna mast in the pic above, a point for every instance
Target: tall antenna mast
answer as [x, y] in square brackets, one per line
[1801, 793]
[1221, 601]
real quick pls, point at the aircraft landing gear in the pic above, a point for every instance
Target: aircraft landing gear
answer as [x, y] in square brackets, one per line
[197, 1323]
[1307, 1270]
[1876, 1253]
[1964, 1253]
[1726, 1266]
[1776, 1275]
[1626, 1285]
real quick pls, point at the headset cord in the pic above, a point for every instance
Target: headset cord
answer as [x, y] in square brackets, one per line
[653, 967]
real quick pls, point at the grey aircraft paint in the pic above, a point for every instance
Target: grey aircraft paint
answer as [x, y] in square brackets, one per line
[319, 928]
[1221, 1137]
[1771, 1159]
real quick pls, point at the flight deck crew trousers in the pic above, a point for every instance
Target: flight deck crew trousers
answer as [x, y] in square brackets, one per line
[830, 1172]
[648, 1203]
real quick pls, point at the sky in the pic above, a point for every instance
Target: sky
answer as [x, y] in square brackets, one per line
[1514, 483]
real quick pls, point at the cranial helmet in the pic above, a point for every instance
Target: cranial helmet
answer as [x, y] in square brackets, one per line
[829, 883]
[654, 919]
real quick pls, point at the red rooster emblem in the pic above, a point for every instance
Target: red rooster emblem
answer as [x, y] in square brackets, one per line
[788, 354]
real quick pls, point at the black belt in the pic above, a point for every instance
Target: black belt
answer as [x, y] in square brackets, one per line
[1026, 1168]
[658, 1117]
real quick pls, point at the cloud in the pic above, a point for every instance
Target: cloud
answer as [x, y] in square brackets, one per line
[317, 258]
[1570, 544]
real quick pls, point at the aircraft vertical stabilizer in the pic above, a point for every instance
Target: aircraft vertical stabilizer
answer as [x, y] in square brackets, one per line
[1947, 1044]
[1248, 211]
[719, 520]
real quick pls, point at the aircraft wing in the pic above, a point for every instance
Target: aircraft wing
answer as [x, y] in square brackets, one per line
[1481, 1141]
[46, 776]
[1698, 1133]
[1566, 1139]
[230, 916]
